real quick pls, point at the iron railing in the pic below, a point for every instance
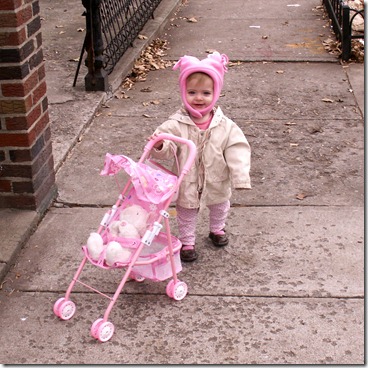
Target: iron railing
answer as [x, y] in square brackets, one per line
[111, 28]
[339, 13]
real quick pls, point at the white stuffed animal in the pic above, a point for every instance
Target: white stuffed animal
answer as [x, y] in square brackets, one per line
[123, 229]
[95, 245]
[116, 253]
[137, 216]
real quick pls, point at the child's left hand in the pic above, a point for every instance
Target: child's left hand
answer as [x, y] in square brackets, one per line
[159, 144]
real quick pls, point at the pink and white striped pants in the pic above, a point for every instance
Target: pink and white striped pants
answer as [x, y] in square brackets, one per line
[187, 220]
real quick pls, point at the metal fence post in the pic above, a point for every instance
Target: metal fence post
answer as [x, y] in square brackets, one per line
[346, 33]
[96, 78]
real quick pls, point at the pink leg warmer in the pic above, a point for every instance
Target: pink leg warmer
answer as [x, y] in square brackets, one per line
[187, 220]
[218, 216]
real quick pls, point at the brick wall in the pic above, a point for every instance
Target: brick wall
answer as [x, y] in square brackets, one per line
[27, 178]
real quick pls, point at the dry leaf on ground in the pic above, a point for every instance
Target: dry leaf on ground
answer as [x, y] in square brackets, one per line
[151, 58]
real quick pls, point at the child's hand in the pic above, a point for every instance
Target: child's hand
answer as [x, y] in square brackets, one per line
[157, 145]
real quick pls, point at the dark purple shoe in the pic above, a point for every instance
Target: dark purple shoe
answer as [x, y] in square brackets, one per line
[188, 253]
[219, 240]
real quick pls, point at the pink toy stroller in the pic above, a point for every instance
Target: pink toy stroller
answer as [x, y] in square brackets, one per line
[149, 254]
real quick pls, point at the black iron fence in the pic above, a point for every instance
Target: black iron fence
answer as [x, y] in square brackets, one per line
[342, 18]
[111, 28]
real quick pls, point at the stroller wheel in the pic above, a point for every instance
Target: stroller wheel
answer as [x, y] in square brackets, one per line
[105, 331]
[57, 305]
[136, 277]
[66, 309]
[170, 289]
[179, 290]
[94, 328]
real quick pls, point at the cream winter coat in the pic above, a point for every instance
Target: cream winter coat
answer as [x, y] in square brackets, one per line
[223, 158]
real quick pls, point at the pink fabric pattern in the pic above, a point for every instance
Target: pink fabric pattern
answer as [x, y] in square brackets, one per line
[150, 185]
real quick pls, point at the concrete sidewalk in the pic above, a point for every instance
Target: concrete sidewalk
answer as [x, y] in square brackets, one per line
[289, 288]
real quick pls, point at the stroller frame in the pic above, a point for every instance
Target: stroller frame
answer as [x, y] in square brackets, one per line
[102, 329]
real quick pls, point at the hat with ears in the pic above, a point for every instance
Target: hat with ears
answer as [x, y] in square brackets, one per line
[214, 65]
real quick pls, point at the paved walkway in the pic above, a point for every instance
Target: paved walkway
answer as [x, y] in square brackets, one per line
[289, 288]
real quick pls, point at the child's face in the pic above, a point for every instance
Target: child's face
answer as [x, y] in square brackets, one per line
[199, 91]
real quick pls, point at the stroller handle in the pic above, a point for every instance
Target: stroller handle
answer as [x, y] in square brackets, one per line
[171, 137]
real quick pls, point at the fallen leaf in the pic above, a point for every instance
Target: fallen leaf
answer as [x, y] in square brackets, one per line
[294, 144]
[332, 46]
[231, 63]
[301, 196]
[155, 65]
[142, 37]
[120, 95]
[192, 20]
[80, 30]
[146, 116]
[315, 129]
[327, 100]
[290, 123]
[280, 72]
[150, 58]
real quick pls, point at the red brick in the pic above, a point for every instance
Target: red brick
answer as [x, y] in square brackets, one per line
[10, 4]
[18, 201]
[38, 128]
[20, 155]
[21, 89]
[17, 18]
[5, 186]
[41, 72]
[23, 122]
[13, 38]
[23, 187]
[14, 140]
[17, 171]
[40, 160]
[39, 92]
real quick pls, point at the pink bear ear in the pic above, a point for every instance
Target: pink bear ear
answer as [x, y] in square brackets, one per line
[177, 64]
[221, 59]
[225, 61]
[186, 61]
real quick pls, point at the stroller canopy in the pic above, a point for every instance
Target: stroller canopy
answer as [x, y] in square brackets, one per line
[150, 184]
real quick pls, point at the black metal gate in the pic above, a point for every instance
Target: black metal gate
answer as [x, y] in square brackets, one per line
[339, 13]
[112, 26]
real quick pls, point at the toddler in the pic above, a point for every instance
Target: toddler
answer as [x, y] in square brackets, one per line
[223, 152]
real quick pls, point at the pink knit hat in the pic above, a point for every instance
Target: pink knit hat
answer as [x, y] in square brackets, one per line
[214, 65]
